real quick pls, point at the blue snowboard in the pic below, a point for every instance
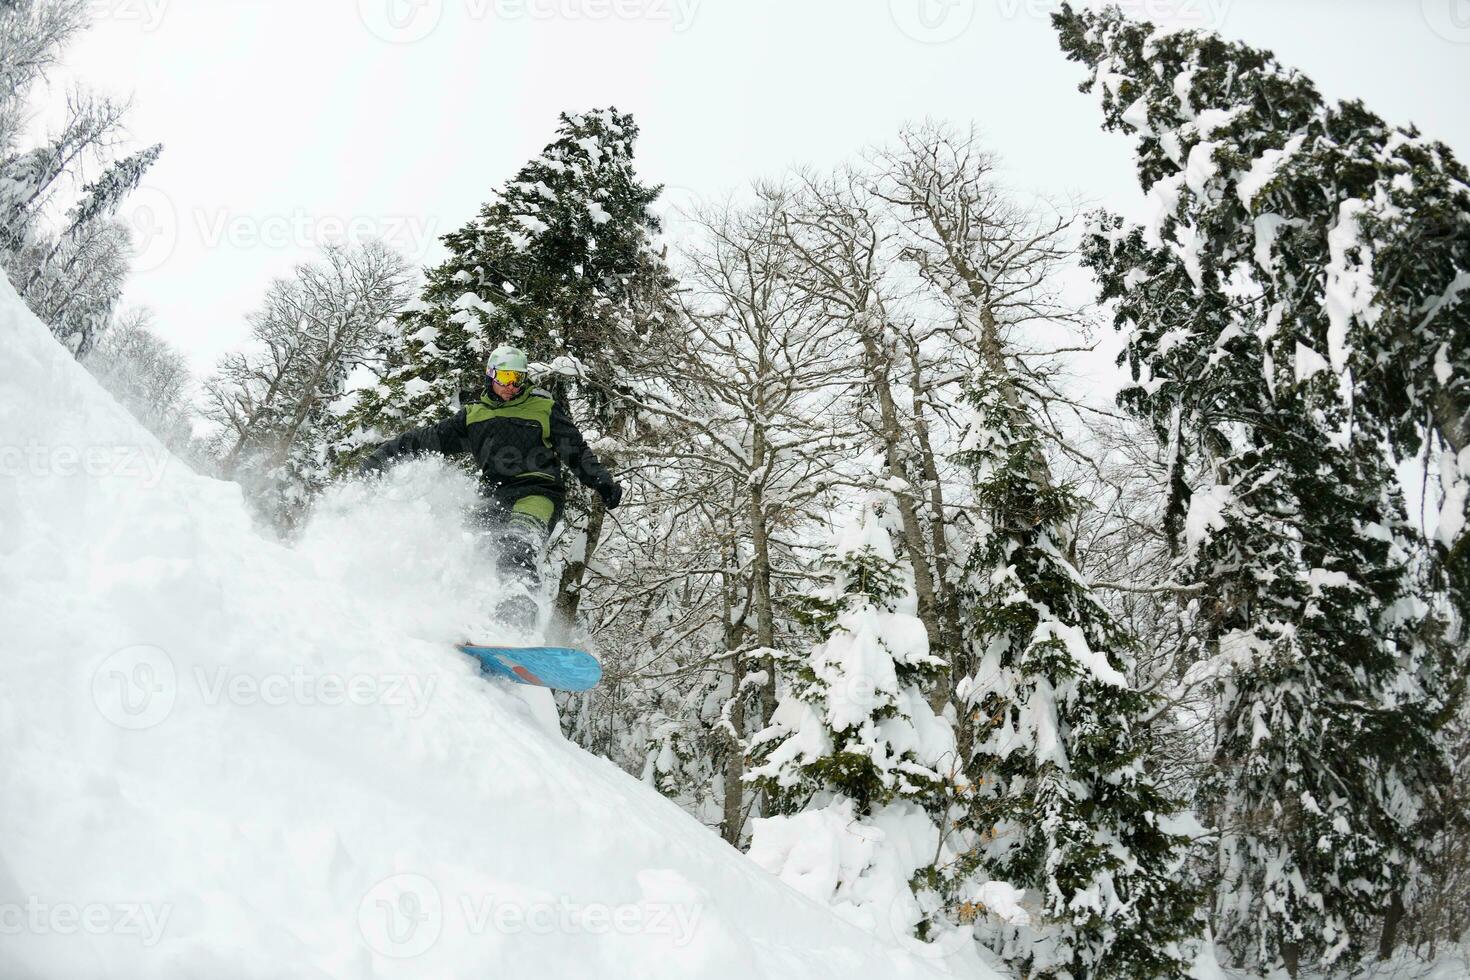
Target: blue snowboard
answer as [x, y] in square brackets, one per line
[559, 668]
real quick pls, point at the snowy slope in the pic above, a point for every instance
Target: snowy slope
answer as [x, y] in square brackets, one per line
[223, 757]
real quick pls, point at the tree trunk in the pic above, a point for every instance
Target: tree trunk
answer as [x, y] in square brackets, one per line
[879, 368]
[760, 538]
[948, 611]
[734, 817]
[308, 398]
[1452, 419]
[232, 458]
[574, 575]
[765, 615]
[1391, 920]
[734, 820]
[1291, 955]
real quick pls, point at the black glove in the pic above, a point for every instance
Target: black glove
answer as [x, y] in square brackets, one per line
[611, 494]
[371, 463]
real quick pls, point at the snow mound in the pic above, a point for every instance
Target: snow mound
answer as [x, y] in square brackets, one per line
[220, 756]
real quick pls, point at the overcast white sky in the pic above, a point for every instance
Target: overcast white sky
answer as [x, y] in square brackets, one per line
[287, 121]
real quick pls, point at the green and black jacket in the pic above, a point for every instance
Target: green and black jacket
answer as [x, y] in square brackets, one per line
[519, 445]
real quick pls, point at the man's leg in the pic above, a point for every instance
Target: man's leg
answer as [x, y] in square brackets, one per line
[527, 528]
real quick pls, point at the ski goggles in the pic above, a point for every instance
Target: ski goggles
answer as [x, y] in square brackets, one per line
[510, 379]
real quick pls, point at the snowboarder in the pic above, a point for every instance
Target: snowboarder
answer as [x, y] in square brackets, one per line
[520, 437]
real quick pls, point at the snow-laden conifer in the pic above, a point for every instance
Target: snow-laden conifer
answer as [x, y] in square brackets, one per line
[856, 762]
[1290, 312]
[561, 262]
[1063, 805]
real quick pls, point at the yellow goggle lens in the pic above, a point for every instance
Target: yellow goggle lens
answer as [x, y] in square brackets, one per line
[510, 378]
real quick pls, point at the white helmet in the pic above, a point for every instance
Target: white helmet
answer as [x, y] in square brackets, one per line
[507, 358]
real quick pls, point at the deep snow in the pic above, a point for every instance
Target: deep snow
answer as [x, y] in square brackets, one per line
[220, 756]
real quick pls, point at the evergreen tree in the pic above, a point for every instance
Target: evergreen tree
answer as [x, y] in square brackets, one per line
[1063, 805]
[673, 736]
[854, 752]
[73, 282]
[74, 279]
[1340, 233]
[1278, 313]
[102, 197]
[560, 262]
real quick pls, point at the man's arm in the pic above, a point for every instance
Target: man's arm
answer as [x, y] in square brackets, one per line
[567, 439]
[447, 437]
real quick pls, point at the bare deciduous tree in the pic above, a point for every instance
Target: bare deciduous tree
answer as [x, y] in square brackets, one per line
[311, 333]
[149, 377]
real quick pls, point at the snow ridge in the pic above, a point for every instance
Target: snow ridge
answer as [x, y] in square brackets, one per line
[223, 756]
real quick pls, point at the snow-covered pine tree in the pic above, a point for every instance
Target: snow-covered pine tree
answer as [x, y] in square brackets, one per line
[1276, 311]
[69, 269]
[73, 279]
[560, 262]
[73, 282]
[676, 750]
[857, 765]
[70, 272]
[1063, 805]
[103, 196]
[1351, 236]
